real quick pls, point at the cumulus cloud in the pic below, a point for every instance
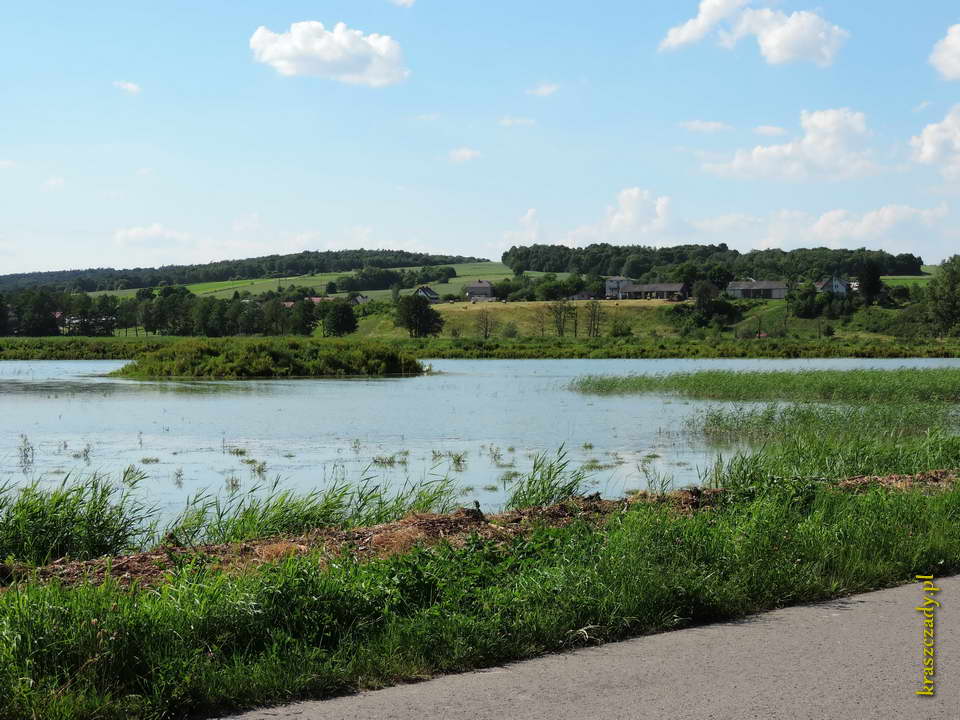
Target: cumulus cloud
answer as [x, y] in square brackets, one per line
[694, 30]
[782, 38]
[463, 155]
[637, 215]
[939, 144]
[511, 121]
[341, 54]
[149, 235]
[831, 148]
[770, 130]
[946, 54]
[544, 90]
[787, 38]
[128, 87]
[705, 126]
[894, 227]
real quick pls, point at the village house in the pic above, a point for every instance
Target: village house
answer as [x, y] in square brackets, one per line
[658, 291]
[479, 290]
[360, 300]
[425, 291]
[582, 295]
[758, 289]
[834, 285]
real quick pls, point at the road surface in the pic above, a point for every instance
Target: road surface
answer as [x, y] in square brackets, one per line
[856, 658]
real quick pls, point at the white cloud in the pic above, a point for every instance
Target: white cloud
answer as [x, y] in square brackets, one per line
[770, 130]
[922, 106]
[403, 3]
[7, 164]
[529, 232]
[787, 38]
[946, 54]
[831, 148]
[341, 54]
[705, 126]
[544, 90]
[511, 121]
[782, 38]
[463, 155]
[694, 30]
[145, 172]
[54, 183]
[149, 235]
[896, 228]
[428, 117]
[638, 214]
[939, 144]
[128, 87]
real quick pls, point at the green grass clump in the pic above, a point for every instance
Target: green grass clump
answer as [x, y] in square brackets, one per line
[774, 421]
[901, 385]
[78, 518]
[236, 358]
[272, 511]
[208, 643]
[550, 481]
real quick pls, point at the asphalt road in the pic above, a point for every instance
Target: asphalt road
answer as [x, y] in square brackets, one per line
[858, 658]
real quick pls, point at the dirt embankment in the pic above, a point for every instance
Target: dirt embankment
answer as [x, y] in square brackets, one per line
[152, 567]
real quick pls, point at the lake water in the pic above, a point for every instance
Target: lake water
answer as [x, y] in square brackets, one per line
[498, 413]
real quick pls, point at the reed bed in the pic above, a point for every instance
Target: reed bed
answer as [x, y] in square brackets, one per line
[903, 385]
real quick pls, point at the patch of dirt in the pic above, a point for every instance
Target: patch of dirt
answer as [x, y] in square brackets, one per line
[931, 480]
[151, 568]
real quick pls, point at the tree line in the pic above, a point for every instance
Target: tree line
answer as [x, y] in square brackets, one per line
[271, 266]
[716, 263]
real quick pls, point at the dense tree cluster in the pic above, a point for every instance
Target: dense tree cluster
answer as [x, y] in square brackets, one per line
[375, 278]
[173, 310]
[715, 263]
[303, 263]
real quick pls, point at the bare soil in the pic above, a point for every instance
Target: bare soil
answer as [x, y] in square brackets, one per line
[152, 567]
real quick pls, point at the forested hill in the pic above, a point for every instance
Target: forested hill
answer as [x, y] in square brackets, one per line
[302, 263]
[671, 263]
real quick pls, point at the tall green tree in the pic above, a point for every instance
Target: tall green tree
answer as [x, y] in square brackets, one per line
[943, 297]
[415, 314]
[339, 319]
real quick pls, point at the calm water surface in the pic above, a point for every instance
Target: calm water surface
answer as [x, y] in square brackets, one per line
[308, 432]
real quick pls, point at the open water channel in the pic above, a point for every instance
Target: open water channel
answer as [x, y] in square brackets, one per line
[495, 414]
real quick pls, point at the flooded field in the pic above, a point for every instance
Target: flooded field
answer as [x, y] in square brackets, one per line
[474, 420]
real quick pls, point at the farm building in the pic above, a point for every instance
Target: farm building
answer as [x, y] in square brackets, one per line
[615, 287]
[834, 285]
[425, 291]
[479, 290]
[657, 291]
[758, 289]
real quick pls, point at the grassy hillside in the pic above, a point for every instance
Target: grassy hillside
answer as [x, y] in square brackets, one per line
[908, 280]
[466, 273]
[461, 317]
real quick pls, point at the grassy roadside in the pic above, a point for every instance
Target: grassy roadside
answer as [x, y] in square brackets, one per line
[206, 642]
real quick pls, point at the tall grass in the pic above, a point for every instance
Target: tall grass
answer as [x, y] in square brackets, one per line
[895, 386]
[551, 480]
[775, 421]
[264, 512]
[209, 643]
[79, 518]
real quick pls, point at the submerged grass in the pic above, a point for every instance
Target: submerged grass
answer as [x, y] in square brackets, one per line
[893, 386]
[207, 643]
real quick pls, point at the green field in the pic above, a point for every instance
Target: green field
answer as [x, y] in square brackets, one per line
[466, 273]
[908, 280]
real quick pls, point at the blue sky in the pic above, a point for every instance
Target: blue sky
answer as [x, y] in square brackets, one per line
[154, 133]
